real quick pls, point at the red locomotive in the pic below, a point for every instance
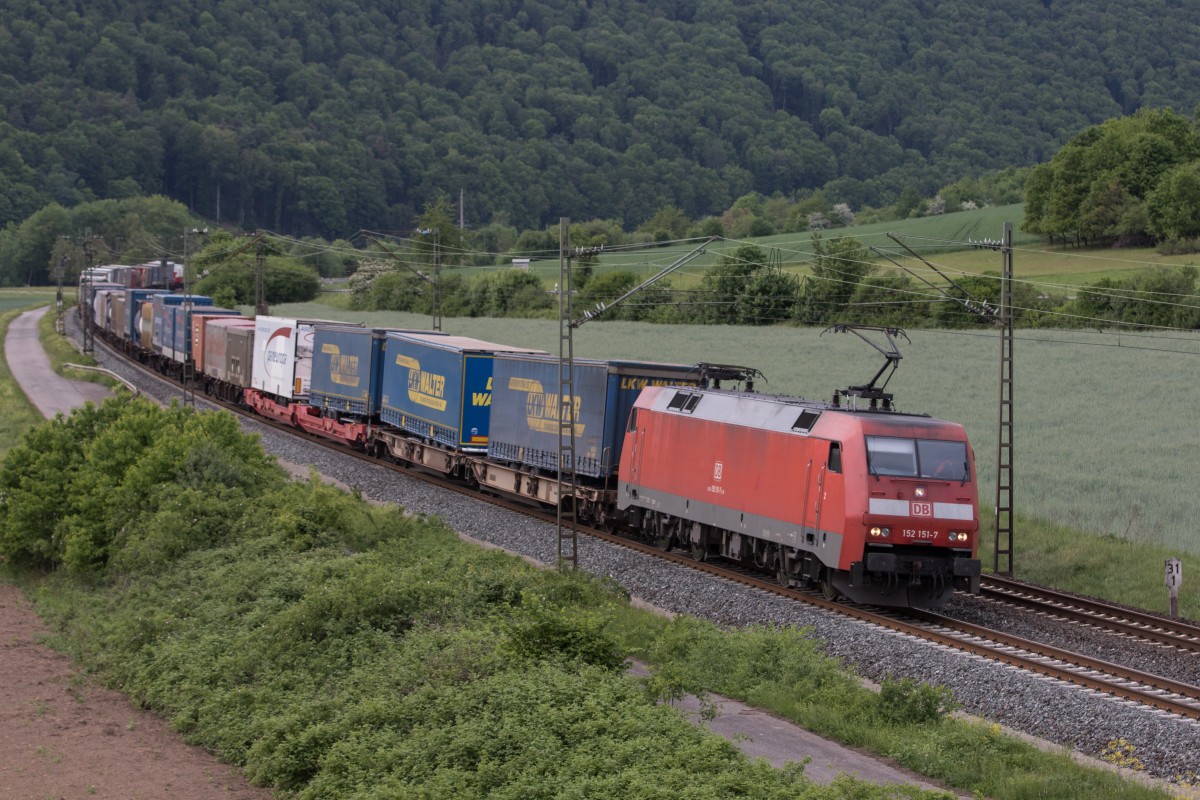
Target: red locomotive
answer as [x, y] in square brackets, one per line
[878, 506]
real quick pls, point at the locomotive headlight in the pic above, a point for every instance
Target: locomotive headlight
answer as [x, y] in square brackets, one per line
[880, 533]
[959, 536]
[919, 491]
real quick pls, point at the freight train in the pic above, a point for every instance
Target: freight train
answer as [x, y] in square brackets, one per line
[868, 504]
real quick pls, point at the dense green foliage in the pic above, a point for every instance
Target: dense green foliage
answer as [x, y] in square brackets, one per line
[327, 119]
[72, 490]
[1130, 179]
[100, 232]
[1157, 296]
[226, 271]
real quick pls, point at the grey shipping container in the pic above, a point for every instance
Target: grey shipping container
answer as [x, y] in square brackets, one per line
[229, 350]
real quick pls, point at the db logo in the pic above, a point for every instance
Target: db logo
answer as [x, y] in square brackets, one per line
[922, 509]
[718, 469]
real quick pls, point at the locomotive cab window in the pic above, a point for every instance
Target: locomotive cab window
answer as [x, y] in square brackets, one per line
[886, 456]
[917, 458]
[942, 460]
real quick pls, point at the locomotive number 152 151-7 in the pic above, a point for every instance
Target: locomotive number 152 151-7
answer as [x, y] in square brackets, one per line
[911, 533]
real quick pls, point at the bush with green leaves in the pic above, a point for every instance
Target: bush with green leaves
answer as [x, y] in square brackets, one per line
[509, 292]
[128, 482]
[1157, 296]
[540, 630]
[905, 701]
[402, 290]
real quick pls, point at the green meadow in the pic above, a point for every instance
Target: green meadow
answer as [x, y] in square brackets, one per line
[1052, 269]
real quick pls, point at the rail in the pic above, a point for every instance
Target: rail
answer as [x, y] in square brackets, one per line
[135, 390]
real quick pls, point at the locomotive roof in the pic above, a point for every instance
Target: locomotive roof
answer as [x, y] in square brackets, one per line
[771, 412]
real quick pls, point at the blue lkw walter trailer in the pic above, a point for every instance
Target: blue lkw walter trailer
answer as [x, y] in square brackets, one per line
[347, 368]
[440, 387]
[526, 409]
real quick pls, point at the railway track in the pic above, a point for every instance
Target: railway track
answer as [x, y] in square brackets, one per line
[1093, 613]
[1157, 692]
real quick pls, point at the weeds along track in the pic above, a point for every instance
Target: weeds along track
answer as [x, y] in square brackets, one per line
[1165, 694]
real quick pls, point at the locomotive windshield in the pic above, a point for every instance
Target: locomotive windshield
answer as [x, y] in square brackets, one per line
[917, 458]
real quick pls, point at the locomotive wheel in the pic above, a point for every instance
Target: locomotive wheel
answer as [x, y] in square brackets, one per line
[663, 535]
[828, 590]
[783, 576]
[699, 552]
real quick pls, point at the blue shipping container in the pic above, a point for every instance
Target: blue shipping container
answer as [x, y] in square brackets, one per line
[440, 387]
[347, 367]
[526, 409]
[133, 311]
[161, 334]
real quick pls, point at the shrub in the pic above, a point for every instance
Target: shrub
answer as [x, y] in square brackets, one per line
[905, 701]
[81, 488]
[539, 631]
[508, 292]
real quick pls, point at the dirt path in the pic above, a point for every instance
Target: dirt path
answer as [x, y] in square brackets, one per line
[62, 736]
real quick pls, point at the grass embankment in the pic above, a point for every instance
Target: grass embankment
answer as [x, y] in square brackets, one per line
[333, 649]
[62, 351]
[1097, 565]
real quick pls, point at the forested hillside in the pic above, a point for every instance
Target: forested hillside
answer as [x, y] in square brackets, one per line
[327, 117]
